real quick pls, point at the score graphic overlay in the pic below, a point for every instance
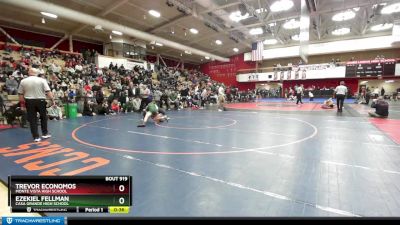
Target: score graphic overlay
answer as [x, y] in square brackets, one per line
[78, 194]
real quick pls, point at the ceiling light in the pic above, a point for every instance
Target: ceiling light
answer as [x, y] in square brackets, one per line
[159, 44]
[206, 57]
[393, 8]
[43, 21]
[341, 31]
[237, 16]
[154, 13]
[383, 26]
[218, 42]
[270, 42]
[194, 31]
[296, 37]
[389, 81]
[51, 15]
[188, 52]
[260, 10]
[235, 49]
[117, 32]
[342, 16]
[110, 36]
[256, 31]
[272, 24]
[291, 24]
[281, 5]
[356, 9]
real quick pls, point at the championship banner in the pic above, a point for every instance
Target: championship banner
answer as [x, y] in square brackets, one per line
[371, 68]
[302, 72]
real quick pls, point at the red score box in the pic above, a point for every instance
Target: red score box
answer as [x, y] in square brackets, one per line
[81, 189]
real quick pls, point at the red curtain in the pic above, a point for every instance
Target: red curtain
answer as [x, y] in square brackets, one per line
[225, 72]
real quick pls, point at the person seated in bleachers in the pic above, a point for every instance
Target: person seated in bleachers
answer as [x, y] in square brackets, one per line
[54, 112]
[103, 109]
[173, 99]
[311, 95]
[15, 111]
[381, 108]
[60, 68]
[128, 106]
[115, 107]
[71, 96]
[88, 108]
[328, 104]
[136, 103]
[12, 86]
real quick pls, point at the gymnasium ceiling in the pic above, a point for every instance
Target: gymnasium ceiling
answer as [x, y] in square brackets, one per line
[175, 25]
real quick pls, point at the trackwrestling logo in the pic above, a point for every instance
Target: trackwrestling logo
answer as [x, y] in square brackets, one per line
[33, 220]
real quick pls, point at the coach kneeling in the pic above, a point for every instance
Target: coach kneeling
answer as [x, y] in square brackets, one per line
[381, 108]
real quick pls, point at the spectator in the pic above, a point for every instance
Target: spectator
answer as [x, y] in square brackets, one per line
[136, 104]
[381, 108]
[173, 99]
[157, 97]
[311, 95]
[103, 109]
[88, 109]
[13, 112]
[115, 107]
[12, 86]
[54, 112]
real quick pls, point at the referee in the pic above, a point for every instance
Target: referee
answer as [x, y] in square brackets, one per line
[340, 93]
[32, 95]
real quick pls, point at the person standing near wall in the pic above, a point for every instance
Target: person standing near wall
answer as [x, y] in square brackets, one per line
[340, 93]
[32, 95]
[221, 98]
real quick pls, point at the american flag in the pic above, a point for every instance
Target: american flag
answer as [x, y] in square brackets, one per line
[257, 49]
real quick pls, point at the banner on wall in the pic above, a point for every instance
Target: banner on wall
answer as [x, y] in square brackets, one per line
[303, 72]
[371, 68]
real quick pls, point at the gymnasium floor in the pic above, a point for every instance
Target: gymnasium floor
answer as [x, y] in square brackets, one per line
[268, 158]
